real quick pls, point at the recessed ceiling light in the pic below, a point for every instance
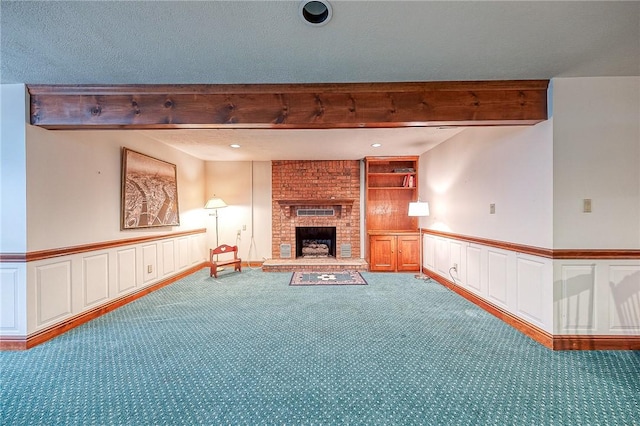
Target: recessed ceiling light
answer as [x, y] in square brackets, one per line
[234, 145]
[376, 145]
[316, 12]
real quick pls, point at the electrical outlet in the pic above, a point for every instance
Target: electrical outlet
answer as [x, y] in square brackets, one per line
[586, 205]
[244, 227]
[492, 208]
[149, 269]
[239, 232]
[455, 267]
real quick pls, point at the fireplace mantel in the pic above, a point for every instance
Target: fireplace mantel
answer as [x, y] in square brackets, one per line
[317, 202]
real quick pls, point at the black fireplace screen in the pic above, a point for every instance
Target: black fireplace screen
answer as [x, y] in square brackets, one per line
[316, 241]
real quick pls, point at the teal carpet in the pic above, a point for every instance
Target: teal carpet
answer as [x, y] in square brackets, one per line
[248, 349]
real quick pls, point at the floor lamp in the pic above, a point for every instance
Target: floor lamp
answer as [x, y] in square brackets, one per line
[215, 204]
[419, 209]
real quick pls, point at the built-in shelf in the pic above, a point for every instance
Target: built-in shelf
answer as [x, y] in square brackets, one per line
[393, 241]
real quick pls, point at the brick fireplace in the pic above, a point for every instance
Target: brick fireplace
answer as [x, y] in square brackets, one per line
[316, 194]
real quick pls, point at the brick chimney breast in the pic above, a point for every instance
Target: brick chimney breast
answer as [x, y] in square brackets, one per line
[316, 185]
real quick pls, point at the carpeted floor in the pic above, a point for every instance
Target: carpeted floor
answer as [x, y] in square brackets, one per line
[248, 348]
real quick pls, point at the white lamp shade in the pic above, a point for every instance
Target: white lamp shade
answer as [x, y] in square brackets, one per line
[419, 208]
[215, 203]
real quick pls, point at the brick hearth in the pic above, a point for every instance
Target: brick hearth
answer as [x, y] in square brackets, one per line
[315, 265]
[315, 185]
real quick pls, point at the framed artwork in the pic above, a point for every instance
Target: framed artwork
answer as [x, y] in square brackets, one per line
[149, 192]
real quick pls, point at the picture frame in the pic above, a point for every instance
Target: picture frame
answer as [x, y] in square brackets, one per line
[149, 192]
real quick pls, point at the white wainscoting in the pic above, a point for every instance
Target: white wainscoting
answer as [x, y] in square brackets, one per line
[497, 277]
[62, 287]
[624, 300]
[95, 279]
[126, 271]
[561, 296]
[13, 306]
[518, 283]
[183, 252]
[531, 276]
[577, 295]
[473, 269]
[53, 289]
[168, 258]
[598, 296]
[150, 262]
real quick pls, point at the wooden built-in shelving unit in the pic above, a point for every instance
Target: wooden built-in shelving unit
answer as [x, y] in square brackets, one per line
[391, 184]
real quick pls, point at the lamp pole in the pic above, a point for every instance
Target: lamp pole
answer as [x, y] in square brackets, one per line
[419, 209]
[217, 243]
[215, 204]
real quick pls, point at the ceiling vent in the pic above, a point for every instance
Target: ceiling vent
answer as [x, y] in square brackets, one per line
[316, 12]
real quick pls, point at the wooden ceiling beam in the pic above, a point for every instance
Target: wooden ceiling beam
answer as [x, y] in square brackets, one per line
[289, 106]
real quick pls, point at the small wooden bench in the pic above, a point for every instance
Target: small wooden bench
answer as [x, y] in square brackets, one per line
[215, 262]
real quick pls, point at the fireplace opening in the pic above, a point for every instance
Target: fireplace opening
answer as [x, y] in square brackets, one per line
[315, 241]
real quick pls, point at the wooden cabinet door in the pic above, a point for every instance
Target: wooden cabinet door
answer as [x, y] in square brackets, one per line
[383, 253]
[408, 253]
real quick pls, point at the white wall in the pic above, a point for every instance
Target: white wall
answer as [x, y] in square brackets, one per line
[510, 167]
[74, 186]
[13, 172]
[538, 177]
[596, 155]
[64, 190]
[13, 207]
[246, 188]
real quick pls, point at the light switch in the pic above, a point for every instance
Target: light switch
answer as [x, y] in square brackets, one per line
[586, 205]
[492, 209]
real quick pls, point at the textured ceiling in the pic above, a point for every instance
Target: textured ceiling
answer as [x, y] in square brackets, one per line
[329, 144]
[119, 42]
[104, 42]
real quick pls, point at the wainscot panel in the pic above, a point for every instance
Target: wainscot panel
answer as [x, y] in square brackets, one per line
[150, 262]
[183, 253]
[624, 308]
[12, 309]
[126, 273]
[530, 300]
[168, 258]
[49, 292]
[497, 277]
[510, 281]
[95, 279]
[56, 279]
[52, 291]
[578, 293]
[562, 302]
